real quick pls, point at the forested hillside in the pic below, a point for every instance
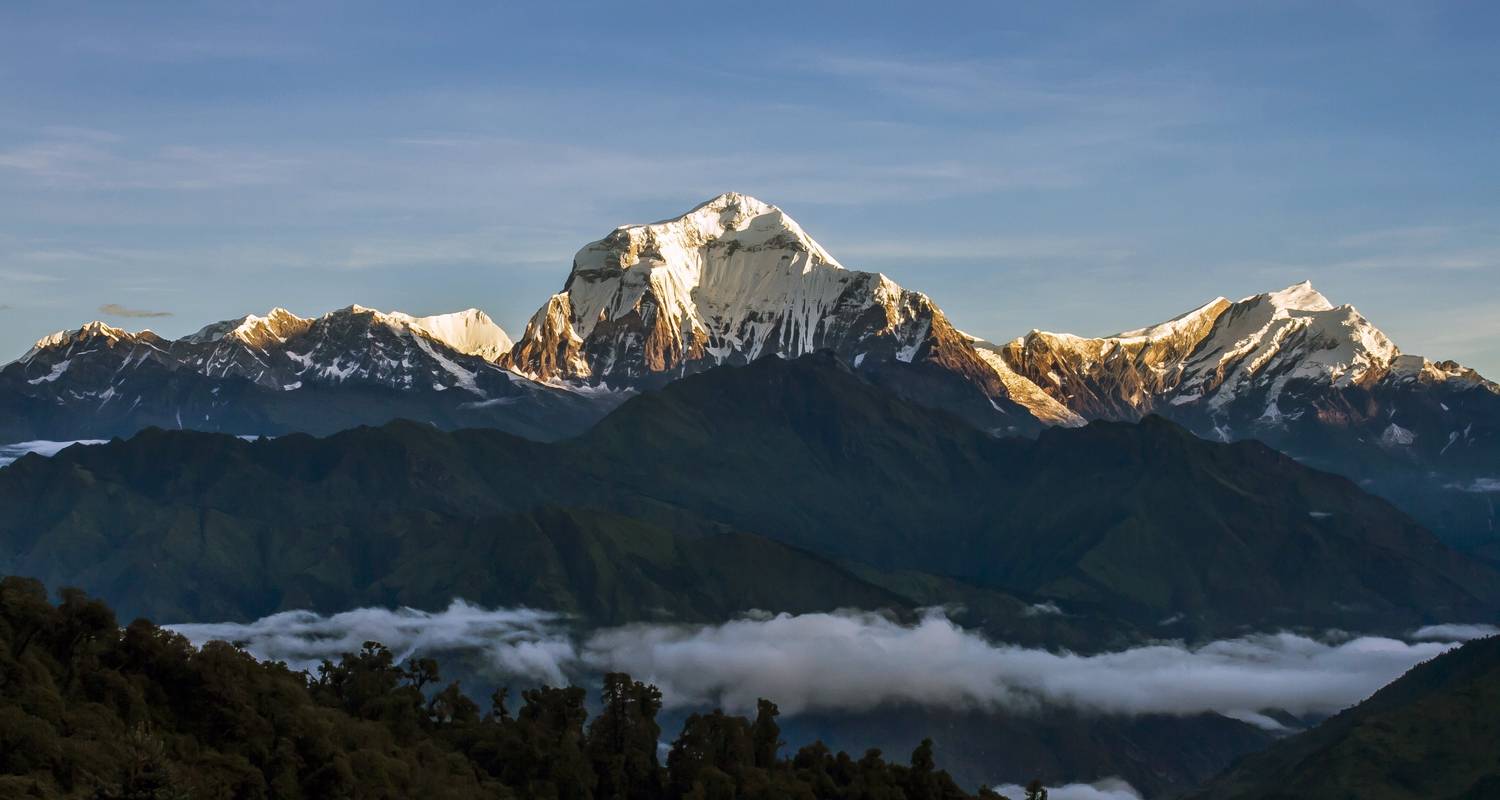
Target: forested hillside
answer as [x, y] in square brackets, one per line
[91, 710]
[1434, 734]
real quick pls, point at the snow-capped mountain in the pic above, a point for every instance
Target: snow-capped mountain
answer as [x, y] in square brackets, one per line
[1312, 379]
[735, 279]
[283, 351]
[731, 281]
[443, 368]
[1262, 361]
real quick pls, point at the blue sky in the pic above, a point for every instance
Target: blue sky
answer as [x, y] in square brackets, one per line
[1088, 167]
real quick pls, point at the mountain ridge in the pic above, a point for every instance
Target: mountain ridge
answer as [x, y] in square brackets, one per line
[812, 454]
[279, 373]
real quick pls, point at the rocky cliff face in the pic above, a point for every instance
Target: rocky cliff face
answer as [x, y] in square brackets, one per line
[1115, 377]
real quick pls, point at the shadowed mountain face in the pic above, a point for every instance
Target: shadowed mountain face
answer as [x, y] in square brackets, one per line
[1116, 523]
[1431, 735]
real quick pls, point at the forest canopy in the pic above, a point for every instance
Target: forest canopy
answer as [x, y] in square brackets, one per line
[90, 709]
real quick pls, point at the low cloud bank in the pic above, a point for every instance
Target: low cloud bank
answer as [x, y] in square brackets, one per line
[1107, 789]
[853, 661]
[1455, 633]
[522, 642]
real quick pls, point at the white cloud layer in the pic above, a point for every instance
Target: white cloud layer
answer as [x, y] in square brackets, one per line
[1455, 633]
[522, 642]
[849, 661]
[1107, 789]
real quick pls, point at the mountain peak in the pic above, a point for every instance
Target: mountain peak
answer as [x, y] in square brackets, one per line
[277, 324]
[733, 201]
[699, 279]
[731, 280]
[1297, 297]
[89, 332]
[86, 331]
[470, 332]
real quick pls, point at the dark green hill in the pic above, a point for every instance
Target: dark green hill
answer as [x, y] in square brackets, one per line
[603, 567]
[1143, 520]
[1133, 522]
[1433, 734]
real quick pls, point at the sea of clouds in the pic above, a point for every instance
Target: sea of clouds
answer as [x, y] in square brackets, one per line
[853, 661]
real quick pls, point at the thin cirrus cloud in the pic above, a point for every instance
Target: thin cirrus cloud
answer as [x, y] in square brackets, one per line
[80, 159]
[117, 310]
[855, 661]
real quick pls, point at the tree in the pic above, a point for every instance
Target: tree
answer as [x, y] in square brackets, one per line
[765, 734]
[1035, 790]
[622, 740]
[147, 772]
[451, 706]
[714, 741]
[498, 698]
[550, 725]
[921, 781]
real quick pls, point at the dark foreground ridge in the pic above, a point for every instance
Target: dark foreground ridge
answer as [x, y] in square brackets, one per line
[1433, 734]
[90, 710]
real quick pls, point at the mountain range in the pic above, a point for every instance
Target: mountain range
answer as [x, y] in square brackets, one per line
[818, 469]
[714, 416]
[280, 373]
[736, 279]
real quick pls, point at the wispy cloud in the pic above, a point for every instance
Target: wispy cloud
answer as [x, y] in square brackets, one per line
[1122, 104]
[24, 276]
[68, 158]
[117, 310]
[995, 249]
[1418, 248]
